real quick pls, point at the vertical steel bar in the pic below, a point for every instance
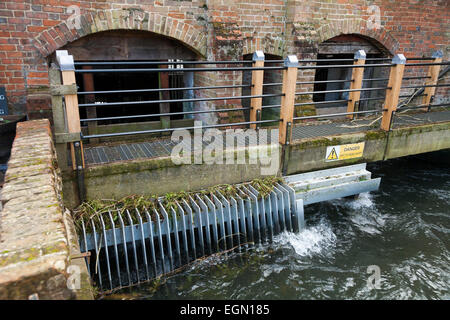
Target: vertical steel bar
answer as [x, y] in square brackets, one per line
[243, 229]
[152, 243]
[219, 207]
[183, 231]
[261, 211]
[116, 252]
[127, 263]
[280, 205]
[254, 213]
[168, 240]
[212, 210]
[191, 226]
[235, 218]
[97, 254]
[133, 242]
[107, 252]
[205, 215]
[199, 225]
[160, 241]
[227, 214]
[274, 205]
[175, 232]
[144, 251]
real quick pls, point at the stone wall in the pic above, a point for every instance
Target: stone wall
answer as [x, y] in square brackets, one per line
[37, 240]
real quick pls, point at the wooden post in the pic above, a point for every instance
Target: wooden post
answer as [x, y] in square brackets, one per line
[164, 95]
[71, 100]
[288, 99]
[392, 94]
[357, 77]
[91, 112]
[257, 87]
[433, 73]
[59, 123]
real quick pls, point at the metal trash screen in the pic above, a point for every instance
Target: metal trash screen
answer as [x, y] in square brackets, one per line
[137, 246]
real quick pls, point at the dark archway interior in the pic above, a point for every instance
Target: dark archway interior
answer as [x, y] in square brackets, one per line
[344, 47]
[129, 46]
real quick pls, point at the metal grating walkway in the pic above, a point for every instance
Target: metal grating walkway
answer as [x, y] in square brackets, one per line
[163, 147]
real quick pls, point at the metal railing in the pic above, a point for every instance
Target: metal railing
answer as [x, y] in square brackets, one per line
[288, 91]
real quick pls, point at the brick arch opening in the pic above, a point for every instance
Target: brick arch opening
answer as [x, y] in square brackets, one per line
[193, 37]
[378, 36]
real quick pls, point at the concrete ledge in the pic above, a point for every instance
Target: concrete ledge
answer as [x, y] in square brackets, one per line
[35, 246]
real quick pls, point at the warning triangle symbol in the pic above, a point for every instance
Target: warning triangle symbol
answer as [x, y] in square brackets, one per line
[333, 155]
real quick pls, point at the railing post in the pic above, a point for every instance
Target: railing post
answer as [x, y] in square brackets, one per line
[433, 73]
[59, 122]
[357, 77]
[257, 87]
[67, 66]
[288, 98]
[392, 94]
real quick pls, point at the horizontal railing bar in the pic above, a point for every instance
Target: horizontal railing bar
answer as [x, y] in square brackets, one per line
[420, 58]
[176, 100]
[308, 82]
[370, 99]
[336, 114]
[319, 102]
[176, 129]
[418, 77]
[408, 95]
[271, 106]
[166, 89]
[376, 79]
[99, 63]
[444, 63]
[164, 114]
[343, 90]
[178, 70]
[334, 66]
[424, 106]
[425, 86]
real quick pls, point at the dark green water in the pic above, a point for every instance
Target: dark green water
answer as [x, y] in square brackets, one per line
[403, 228]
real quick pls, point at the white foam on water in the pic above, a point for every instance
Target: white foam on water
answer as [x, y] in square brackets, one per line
[310, 241]
[365, 215]
[363, 201]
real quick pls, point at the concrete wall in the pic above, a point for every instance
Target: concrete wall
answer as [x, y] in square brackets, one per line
[159, 176]
[38, 243]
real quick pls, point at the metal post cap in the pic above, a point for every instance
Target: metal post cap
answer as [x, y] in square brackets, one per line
[360, 54]
[258, 55]
[291, 61]
[399, 59]
[61, 53]
[66, 62]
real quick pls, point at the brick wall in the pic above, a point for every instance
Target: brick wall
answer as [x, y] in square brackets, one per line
[31, 30]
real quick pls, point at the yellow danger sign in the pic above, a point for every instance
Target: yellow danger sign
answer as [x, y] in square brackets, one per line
[345, 151]
[333, 155]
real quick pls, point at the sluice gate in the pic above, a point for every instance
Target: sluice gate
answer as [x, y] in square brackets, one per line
[127, 247]
[134, 246]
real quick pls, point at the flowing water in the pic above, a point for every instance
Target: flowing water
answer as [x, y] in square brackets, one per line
[402, 230]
